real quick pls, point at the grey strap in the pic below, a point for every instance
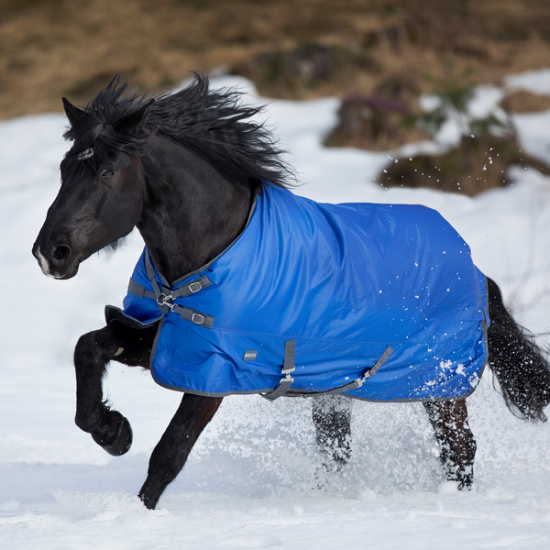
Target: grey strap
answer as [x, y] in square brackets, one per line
[139, 290]
[182, 292]
[281, 389]
[289, 361]
[340, 389]
[194, 316]
[376, 367]
[165, 296]
[284, 385]
[360, 381]
[288, 367]
[191, 288]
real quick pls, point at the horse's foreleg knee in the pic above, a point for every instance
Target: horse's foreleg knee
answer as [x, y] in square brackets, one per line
[171, 453]
[94, 350]
[332, 419]
[456, 442]
[90, 360]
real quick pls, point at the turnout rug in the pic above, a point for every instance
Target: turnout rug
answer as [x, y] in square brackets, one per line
[378, 301]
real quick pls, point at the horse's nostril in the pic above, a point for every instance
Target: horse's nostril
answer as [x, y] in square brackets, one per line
[60, 254]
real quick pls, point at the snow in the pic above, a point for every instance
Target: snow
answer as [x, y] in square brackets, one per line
[252, 479]
[532, 129]
[485, 102]
[537, 82]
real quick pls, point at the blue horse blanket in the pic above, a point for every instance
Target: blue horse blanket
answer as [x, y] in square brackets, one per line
[381, 301]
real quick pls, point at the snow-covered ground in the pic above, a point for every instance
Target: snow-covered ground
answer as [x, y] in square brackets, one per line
[249, 482]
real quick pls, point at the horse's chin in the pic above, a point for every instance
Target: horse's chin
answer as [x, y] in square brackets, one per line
[68, 274]
[72, 272]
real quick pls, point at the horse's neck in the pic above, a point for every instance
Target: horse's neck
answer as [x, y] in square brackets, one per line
[191, 213]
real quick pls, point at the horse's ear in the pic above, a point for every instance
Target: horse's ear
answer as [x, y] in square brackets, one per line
[74, 114]
[135, 122]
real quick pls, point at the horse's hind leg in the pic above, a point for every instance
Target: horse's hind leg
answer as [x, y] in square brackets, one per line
[457, 445]
[93, 352]
[519, 365]
[332, 418]
[170, 454]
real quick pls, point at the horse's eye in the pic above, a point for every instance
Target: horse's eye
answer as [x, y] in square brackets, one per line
[106, 174]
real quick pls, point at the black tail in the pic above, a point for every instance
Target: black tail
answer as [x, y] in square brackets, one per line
[521, 368]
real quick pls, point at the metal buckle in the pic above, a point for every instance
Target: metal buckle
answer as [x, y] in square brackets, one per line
[164, 300]
[197, 318]
[195, 286]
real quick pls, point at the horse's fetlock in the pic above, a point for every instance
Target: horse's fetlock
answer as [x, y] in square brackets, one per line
[99, 419]
[87, 423]
[465, 477]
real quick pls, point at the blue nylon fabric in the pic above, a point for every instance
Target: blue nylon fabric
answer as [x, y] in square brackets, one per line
[345, 281]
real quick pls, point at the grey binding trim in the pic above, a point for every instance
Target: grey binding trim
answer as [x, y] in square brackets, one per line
[116, 314]
[207, 265]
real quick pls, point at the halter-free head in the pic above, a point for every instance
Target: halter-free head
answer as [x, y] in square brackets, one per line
[181, 155]
[101, 195]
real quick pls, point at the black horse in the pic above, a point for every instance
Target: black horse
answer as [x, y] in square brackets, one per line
[185, 169]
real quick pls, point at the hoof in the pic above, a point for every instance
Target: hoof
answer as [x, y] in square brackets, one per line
[121, 442]
[150, 504]
[465, 483]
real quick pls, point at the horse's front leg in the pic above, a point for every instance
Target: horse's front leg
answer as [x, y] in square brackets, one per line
[457, 445]
[93, 352]
[171, 452]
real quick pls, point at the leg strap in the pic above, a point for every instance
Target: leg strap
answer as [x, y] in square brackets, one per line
[288, 367]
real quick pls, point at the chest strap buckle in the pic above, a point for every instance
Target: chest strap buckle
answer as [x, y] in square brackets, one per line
[165, 300]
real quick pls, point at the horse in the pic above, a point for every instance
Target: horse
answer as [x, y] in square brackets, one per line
[186, 169]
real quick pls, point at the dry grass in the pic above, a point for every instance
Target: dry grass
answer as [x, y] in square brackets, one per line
[67, 47]
[526, 102]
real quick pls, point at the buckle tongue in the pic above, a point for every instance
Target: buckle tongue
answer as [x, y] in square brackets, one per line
[197, 318]
[195, 286]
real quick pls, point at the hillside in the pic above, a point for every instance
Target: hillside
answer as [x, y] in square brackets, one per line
[61, 47]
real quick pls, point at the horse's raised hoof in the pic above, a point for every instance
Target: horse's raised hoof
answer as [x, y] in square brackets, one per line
[121, 442]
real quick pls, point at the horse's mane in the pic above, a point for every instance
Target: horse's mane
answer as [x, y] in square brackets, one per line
[212, 123]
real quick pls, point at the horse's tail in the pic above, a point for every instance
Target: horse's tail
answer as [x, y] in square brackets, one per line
[521, 367]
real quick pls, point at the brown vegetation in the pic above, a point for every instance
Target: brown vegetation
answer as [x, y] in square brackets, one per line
[51, 48]
[476, 165]
[525, 102]
[378, 55]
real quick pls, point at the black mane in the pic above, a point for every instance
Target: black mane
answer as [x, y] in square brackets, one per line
[214, 124]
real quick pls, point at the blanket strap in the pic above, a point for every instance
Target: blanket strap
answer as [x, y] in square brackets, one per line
[165, 296]
[288, 367]
[183, 291]
[285, 383]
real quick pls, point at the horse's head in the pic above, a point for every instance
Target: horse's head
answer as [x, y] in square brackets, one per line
[102, 186]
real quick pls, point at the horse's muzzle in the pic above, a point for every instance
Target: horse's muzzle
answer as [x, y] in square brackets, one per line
[59, 263]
